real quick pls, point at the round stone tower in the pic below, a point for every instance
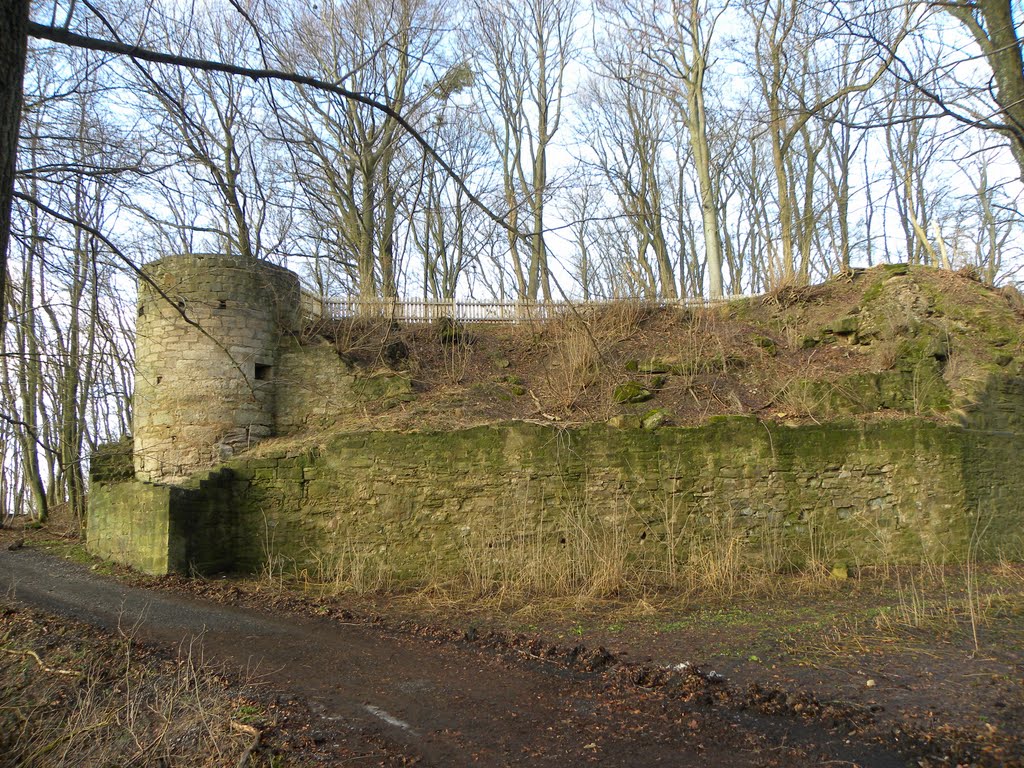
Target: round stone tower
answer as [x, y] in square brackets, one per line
[206, 345]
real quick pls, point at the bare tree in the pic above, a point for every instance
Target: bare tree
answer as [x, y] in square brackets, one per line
[913, 148]
[521, 50]
[448, 231]
[13, 50]
[346, 157]
[206, 127]
[670, 44]
[627, 131]
[791, 49]
[64, 350]
[998, 34]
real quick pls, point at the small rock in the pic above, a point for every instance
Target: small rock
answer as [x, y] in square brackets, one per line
[624, 421]
[631, 392]
[843, 327]
[655, 418]
[768, 345]
[870, 683]
[653, 366]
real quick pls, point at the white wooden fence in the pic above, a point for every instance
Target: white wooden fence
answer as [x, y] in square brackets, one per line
[427, 311]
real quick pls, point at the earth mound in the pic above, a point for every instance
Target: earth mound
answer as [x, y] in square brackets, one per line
[888, 342]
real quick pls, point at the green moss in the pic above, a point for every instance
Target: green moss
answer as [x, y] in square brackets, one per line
[767, 344]
[383, 388]
[112, 462]
[844, 326]
[415, 503]
[656, 418]
[892, 270]
[653, 366]
[449, 331]
[631, 392]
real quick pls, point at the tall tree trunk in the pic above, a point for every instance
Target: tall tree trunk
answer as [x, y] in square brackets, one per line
[697, 125]
[13, 49]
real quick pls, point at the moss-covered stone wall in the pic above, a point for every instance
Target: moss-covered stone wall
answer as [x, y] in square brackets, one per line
[889, 492]
[876, 493]
[993, 438]
[129, 522]
[159, 528]
[315, 386]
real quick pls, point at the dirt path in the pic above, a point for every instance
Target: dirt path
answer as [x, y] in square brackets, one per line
[389, 698]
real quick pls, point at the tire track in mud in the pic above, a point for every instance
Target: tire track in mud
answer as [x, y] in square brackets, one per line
[400, 698]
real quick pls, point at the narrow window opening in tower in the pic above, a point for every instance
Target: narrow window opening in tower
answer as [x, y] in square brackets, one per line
[222, 304]
[263, 372]
[159, 379]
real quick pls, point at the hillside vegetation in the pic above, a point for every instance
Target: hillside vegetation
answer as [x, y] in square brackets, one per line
[880, 343]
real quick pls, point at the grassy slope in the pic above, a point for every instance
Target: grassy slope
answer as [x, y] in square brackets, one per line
[882, 343]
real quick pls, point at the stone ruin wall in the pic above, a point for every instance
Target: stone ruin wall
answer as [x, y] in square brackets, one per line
[881, 492]
[207, 338]
[416, 505]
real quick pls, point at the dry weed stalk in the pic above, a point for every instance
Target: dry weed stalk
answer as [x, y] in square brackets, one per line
[576, 555]
[350, 567]
[581, 342]
[137, 713]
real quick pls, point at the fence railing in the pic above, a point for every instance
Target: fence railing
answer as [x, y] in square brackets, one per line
[428, 311]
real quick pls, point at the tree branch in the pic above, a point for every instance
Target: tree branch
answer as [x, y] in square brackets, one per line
[73, 39]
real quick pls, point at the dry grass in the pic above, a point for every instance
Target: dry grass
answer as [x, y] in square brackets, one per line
[527, 564]
[68, 699]
[567, 369]
[350, 568]
[584, 557]
[582, 348]
[578, 555]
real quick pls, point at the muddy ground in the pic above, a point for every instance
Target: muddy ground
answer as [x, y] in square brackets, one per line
[801, 679]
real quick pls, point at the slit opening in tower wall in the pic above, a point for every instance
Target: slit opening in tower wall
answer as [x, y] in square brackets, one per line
[263, 372]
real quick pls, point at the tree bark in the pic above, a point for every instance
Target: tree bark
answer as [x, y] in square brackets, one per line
[13, 50]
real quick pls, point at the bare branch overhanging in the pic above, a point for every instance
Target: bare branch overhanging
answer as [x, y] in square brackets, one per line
[73, 39]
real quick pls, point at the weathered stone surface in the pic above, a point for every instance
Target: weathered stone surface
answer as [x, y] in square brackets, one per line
[844, 326]
[207, 338]
[111, 463]
[656, 418]
[631, 392]
[653, 366]
[860, 493]
[768, 345]
[892, 492]
[129, 523]
[625, 421]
